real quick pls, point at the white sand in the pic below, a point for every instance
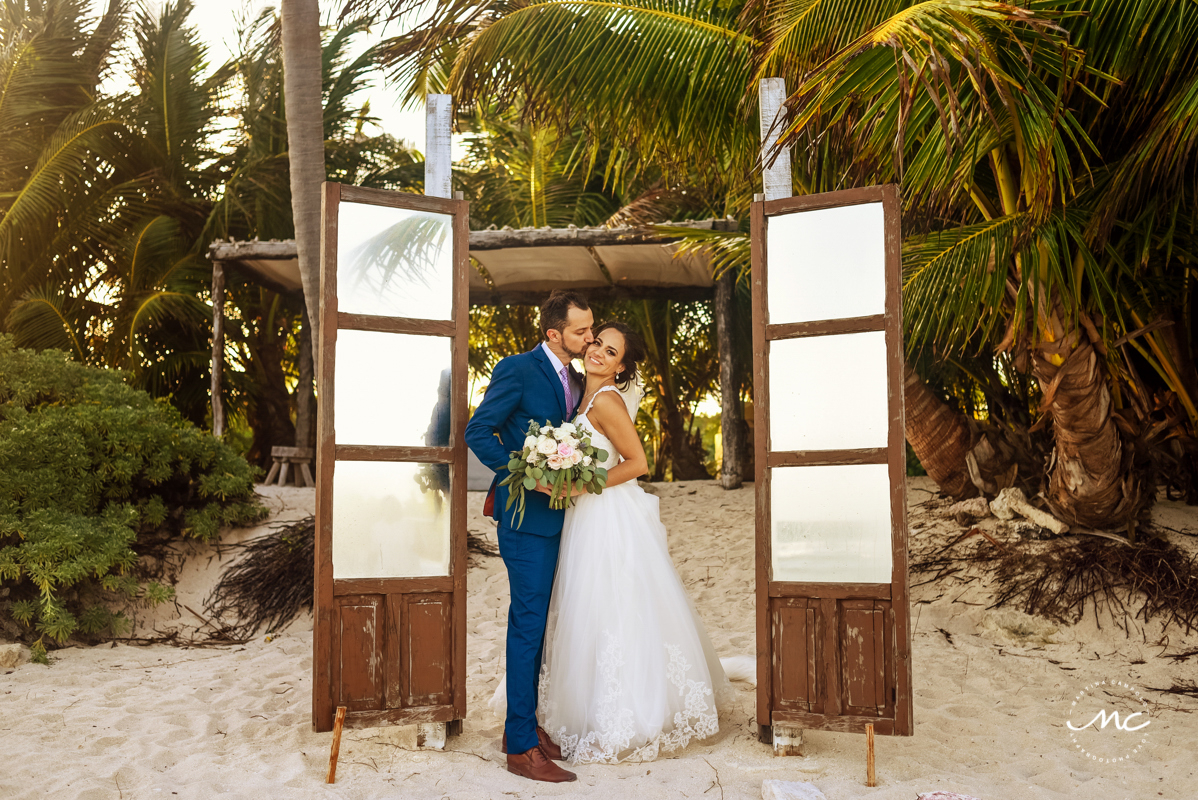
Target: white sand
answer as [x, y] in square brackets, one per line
[161, 721]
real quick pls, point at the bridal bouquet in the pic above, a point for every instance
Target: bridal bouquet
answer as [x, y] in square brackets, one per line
[561, 458]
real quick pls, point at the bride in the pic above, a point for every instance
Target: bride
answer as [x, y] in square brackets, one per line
[628, 669]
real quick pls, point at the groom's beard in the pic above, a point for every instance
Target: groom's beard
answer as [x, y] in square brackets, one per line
[573, 355]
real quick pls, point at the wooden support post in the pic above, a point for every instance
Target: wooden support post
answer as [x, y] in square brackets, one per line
[788, 740]
[870, 778]
[431, 735]
[731, 413]
[218, 346]
[776, 179]
[438, 161]
[336, 749]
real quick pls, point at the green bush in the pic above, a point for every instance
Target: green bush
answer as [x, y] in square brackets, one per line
[87, 464]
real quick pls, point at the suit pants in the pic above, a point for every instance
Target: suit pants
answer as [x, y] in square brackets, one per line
[531, 562]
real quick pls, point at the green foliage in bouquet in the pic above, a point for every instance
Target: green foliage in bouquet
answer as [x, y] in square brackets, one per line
[87, 463]
[574, 476]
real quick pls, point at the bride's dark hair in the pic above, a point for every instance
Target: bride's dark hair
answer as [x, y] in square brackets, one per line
[634, 350]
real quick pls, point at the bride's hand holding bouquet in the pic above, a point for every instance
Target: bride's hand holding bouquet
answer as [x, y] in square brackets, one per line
[560, 459]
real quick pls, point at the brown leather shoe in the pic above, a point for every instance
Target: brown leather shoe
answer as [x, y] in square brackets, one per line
[536, 766]
[551, 749]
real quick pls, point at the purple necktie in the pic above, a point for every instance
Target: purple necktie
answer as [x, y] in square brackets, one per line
[565, 373]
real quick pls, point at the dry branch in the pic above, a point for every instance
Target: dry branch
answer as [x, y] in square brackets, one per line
[1058, 578]
[271, 584]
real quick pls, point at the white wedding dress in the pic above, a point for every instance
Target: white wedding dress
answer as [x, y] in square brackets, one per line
[628, 671]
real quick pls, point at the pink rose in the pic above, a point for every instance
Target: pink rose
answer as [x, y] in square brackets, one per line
[576, 457]
[565, 450]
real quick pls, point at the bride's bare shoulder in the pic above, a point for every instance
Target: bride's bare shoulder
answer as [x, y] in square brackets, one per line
[608, 403]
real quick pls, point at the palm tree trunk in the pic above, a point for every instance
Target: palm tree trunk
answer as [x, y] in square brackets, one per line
[731, 414]
[685, 460]
[305, 402]
[1090, 481]
[305, 141]
[940, 437]
[269, 406]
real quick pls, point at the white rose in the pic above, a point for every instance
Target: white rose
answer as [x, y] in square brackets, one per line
[546, 429]
[546, 446]
[567, 428]
[586, 461]
[575, 457]
[556, 461]
[531, 441]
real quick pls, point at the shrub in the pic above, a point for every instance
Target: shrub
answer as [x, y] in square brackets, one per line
[87, 464]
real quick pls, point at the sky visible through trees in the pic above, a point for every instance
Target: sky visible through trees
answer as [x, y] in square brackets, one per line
[218, 21]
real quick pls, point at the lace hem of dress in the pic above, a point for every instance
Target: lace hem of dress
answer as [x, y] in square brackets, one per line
[611, 742]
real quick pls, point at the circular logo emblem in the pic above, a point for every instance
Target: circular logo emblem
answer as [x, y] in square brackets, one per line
[1108, 722]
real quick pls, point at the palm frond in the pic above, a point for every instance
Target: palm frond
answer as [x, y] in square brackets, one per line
[43, 319]
[800, 35]
[954, 281]
[951, 66]
[667, 76]
[726, 250]
[1161, 162]
[99, 133]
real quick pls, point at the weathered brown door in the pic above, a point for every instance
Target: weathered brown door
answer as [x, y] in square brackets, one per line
[833, 636]
[390, 634]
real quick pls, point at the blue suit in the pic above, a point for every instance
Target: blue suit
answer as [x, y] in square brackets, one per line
[523, 387]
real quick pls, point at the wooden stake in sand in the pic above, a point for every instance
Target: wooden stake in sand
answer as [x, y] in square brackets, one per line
[336, 750]
[870, 778]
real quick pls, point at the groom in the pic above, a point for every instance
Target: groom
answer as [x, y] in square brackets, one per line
[538, 385]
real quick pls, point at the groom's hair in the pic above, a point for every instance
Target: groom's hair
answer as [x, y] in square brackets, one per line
[556, 310]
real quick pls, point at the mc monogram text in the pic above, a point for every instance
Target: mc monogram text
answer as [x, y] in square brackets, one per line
[1123, 725]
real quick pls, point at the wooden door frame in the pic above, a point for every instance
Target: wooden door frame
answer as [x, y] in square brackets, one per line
[894, 455]
[327, 592]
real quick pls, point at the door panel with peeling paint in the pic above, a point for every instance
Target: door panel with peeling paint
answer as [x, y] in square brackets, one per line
[389, 639]
[832, 609]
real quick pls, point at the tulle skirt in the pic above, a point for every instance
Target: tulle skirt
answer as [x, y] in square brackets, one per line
[628, 671]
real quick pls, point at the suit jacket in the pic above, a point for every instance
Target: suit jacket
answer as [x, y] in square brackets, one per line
[523, 387]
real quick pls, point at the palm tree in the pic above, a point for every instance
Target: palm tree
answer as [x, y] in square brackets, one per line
[107, 263]
[111, 277]
[527, 176]
[1030, 231]
[1040, 261]
[60, 167]
[682, 369]
[302, 76]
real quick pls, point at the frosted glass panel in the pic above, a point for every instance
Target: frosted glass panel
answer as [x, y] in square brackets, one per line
[827, 264]
[394, 262]
[828, 392]
[392, 389]
[390, 519]
[831, 524]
